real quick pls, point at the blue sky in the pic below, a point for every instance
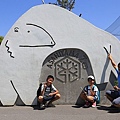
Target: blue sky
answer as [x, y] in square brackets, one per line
[101, 13]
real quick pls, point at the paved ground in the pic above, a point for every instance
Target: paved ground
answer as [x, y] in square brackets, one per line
[60, 112]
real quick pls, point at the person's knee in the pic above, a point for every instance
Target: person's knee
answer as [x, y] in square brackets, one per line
[40, 98]
[58, 96]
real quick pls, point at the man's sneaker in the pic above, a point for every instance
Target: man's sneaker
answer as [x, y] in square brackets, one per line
[94, 105]
[87, 104]
[42, 107]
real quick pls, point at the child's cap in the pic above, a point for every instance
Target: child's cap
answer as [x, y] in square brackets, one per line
[91, 77]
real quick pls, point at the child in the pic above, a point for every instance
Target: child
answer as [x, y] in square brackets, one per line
[48, 93]
[89, 93]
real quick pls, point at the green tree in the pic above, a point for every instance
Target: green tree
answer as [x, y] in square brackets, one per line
[1, 38]
[67, 4]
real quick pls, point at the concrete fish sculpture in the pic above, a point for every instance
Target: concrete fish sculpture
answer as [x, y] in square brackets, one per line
[48, 39]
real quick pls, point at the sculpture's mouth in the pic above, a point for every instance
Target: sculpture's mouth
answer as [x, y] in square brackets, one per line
[8, 49]
[51, 44]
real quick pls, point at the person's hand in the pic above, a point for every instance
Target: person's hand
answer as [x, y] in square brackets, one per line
[109, 56]
[51, 94]
[116, 87]
[45, 85]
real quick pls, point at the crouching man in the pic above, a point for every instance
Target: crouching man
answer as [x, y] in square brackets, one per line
[48, 93]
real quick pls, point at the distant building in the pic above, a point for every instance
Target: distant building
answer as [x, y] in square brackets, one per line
[114, 28]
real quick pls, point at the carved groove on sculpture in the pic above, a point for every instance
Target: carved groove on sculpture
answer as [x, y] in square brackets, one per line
[13, 87]
[18, 100]
[69, 68]
[52, 42]
[73, 52]
[8, 49]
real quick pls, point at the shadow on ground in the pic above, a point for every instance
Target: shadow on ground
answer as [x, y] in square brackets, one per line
[102, 107]
[35, 107]
[109, 109]
[77, 106]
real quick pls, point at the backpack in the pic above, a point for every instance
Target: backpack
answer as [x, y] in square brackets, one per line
[39, 90]
[98, 94]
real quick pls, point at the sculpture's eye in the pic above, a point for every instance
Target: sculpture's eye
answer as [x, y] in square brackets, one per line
[28, 31]
[16, 29]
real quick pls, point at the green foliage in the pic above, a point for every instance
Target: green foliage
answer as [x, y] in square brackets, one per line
[67, 4]
[1, 38]
[116, 83]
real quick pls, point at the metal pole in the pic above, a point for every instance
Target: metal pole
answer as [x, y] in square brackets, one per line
[43, 1]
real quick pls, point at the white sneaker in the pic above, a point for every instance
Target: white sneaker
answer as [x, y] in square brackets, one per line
[42, 106]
